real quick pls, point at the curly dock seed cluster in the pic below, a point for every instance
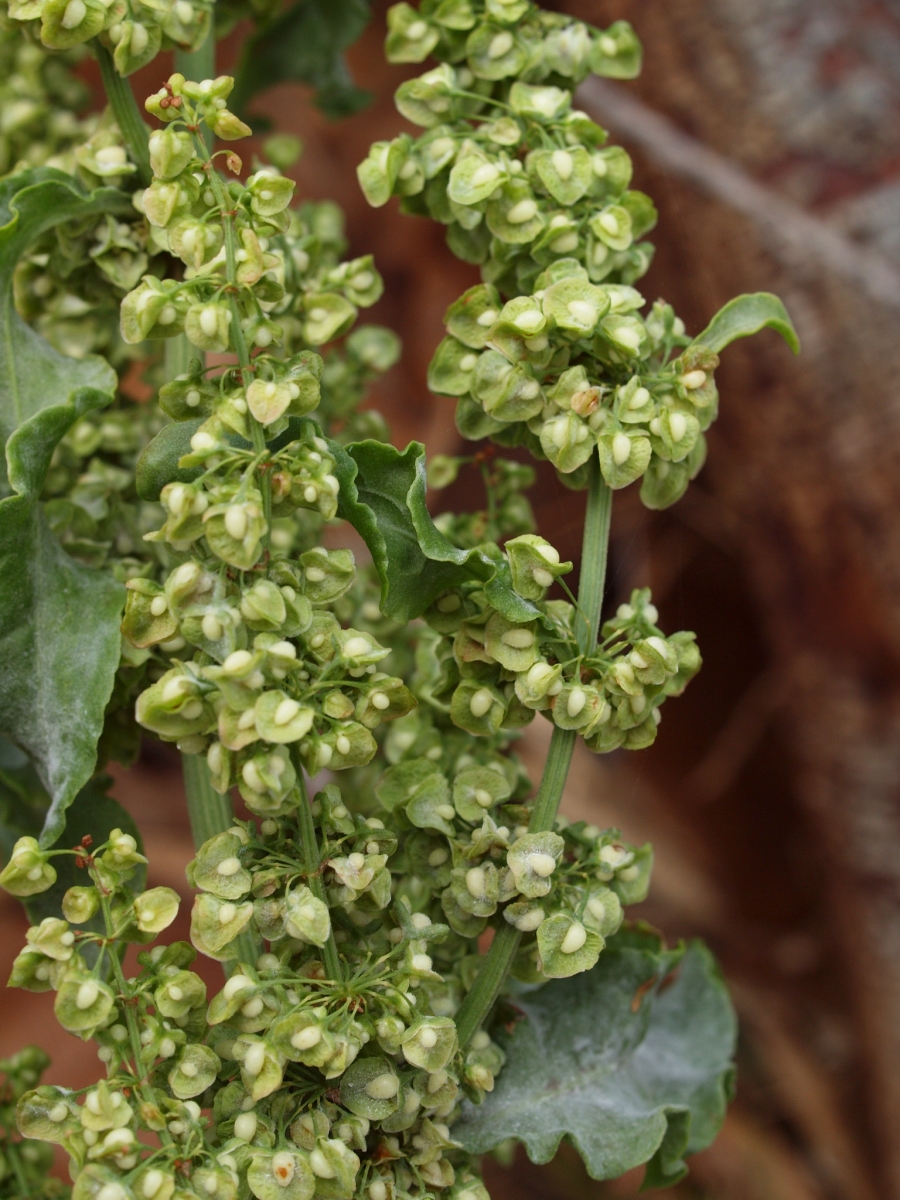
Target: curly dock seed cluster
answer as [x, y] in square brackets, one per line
[550, 352]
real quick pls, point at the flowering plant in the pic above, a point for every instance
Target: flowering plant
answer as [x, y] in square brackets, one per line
[176, 569]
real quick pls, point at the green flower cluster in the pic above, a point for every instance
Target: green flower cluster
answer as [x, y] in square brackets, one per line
[135, 30]
[518, 176]
[491, 670]
[550, 352]
[247, 260]
[24, 1164]
[273, 668]
[573, 370]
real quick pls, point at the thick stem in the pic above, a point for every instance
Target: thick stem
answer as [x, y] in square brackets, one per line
[312, 863]
[594, 552]
[128, 116]
[11, 1153]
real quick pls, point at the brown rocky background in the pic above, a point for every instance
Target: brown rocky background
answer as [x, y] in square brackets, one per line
[772, 793]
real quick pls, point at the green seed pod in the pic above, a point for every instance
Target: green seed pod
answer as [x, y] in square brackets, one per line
[567, 441]
[603, 912]
[226, 125]
[281, 1175]
[534, 564]
[156, 909]
[370, 1088]
[579, 706]
[173, 707]
[675, 433]
[532, 859]
[148, 618]
[539, 103]
[475, 177]
[207, 326]
[161, 201]
[524, 916]
[566, 946]
[631, 879]
[327, 574]
[472, 316]
[266, 780]
[566, 50]
[624, 456]
[626, 335]
[478, 707]
[514, 216]
[67, 23]
[28, 871]
[52, 938]
[326, 316]
[235, 531]
[477, 789]
[514, 646]
[98, 1182]
[450, 371]
[566, 174]
[105, 1108]
[575, 305]
[279, 719]
[194, 242]
[306, 917]
[508, 392]
[494, 52]
[194, 1071]
[378, 173]
[617, 52]
[386, 700]
[171, 150]
[270, 193]
[262, 1067]
[178, 993]
[263, 606]
[79, 904]
[216, 923]
[411, 37]
[153, 309]
[426, 101]
[137, 45]
[303, 1036]
[48, 1113]
[476, 889]
[83, 1003]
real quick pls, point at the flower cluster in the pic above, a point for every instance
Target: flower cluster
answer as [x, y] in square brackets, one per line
[518, 176]
[551, 351]
[490, 671]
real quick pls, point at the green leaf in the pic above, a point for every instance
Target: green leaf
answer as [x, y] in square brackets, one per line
[746, 315]
[631, 1061]
[383, 497]
[305, 44]
[23, 806]
[32, 374]
[59, 623]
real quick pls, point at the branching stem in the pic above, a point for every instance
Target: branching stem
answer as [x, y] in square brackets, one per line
[595, 547]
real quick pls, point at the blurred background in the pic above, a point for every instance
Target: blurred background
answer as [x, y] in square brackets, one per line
[767, 133]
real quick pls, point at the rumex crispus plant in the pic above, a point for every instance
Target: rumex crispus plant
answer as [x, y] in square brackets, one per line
[423, 960]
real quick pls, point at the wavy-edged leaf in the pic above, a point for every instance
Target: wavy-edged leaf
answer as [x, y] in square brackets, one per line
[631, 1061]
[59, 623]
[33, 375]
[306, 44]
[94, 813]
[746, 315]
[383, 497]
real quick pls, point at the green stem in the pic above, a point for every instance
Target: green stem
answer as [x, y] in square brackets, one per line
[11, 1152]
[210, 813]
[594, 553]
[128, 116]
[312, 863]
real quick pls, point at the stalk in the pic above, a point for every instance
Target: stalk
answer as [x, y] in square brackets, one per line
[312, 862]
[594, 554]
[128, 115]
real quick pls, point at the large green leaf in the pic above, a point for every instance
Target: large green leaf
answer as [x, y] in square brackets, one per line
[305, 44]
[32, 374]
[631, 1061]
[23, 807]
[59, 623]
[746, 315]
[383, 497]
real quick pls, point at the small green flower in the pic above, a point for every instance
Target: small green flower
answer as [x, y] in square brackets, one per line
[194, 1071]
[28, 871]
[532, 859]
